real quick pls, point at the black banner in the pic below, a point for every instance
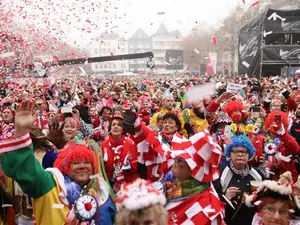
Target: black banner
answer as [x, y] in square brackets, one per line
[275, 23]
[174, 59]
[249, 47]
[281, 54]
[282, 21]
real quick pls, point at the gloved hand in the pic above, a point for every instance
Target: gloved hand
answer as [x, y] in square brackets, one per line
[279, 129]
[129, 121]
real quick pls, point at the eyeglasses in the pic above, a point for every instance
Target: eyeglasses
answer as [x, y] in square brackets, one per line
[271, 211]
[240, 152]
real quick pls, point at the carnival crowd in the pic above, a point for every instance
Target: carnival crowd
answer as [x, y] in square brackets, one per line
[136, 151]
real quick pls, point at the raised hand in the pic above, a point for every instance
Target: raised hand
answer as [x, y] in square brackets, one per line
[224, 97]
[24, 117]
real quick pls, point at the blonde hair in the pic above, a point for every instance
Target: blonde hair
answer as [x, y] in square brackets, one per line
[155, 212]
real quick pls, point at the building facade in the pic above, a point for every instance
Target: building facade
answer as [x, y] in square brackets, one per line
[138, 43]
[164, 40]
[109, 44]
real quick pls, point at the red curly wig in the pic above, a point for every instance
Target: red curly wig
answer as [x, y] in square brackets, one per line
[71, 153]
[235, 106]
[271, 117]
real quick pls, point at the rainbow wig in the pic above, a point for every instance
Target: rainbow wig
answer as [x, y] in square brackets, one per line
[240, 141]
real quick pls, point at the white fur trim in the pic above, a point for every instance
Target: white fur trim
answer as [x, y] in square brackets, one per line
[274, 186]
[145, 201]
[284, 158]
[138, 195]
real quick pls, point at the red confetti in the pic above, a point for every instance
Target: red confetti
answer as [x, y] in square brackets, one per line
[55, 57]
[255, 3]
[214, 40]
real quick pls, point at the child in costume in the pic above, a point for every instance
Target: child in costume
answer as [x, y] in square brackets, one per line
[140, 203]
[72, 192]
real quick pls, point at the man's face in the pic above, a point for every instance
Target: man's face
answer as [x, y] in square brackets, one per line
[239, 157]
[181, 169]
[168, 104]
[7, 115]
[106, 114]
[80, 171]
[255, 115]
[182, 90]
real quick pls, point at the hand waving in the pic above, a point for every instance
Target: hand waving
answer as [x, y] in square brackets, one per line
[24, 117]
[224, 97]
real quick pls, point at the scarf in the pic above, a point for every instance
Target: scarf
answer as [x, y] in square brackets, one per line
[184, 189]
[74, 190]
[167, 137]
[115, 143]
[243, 173]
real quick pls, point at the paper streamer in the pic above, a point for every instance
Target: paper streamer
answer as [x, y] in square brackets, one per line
[199, 92]
[246, 64]
[7, 54]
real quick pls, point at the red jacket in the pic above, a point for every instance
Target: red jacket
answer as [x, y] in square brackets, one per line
[288, 146]
[115, 162]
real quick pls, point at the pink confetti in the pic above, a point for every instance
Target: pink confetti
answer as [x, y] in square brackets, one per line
[55, 57]
[255, 3]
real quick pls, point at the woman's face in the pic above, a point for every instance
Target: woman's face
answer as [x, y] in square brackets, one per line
[160, 124]
[239, 157]
[117, 114]
[275, 214]
[276, 106]
[169, 126]
[93, 112]
[116, 127]
[7, 115]
[70, 128]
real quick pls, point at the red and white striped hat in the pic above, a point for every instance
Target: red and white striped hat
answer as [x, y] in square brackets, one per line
[201, 153]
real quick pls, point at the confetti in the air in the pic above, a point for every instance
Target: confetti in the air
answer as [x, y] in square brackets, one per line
[246, 64]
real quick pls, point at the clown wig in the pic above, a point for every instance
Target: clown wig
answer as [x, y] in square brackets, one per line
[271, 118]
[240, 141]
[234, 106]
[74, 152]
